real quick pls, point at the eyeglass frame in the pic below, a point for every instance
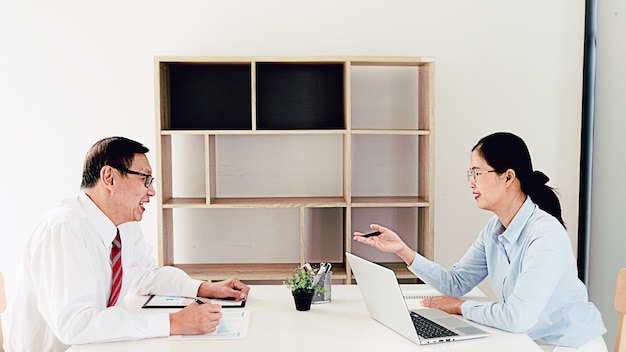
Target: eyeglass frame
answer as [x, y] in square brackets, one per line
[474, 173]
[149, 178]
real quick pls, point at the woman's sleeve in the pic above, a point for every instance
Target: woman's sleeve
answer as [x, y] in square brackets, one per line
[461, 278]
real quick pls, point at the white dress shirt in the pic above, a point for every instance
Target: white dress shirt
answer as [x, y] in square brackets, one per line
[65, 282]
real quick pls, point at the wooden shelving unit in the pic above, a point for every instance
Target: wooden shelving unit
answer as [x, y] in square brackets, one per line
[264, 163]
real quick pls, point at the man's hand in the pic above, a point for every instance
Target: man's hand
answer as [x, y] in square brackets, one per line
[196, 319]
[231, 288]
[448, 304]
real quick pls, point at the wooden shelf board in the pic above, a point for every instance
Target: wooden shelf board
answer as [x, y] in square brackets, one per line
[265, 202]
[247, 271]
[391, 132]
[171, 132]
[389, 201]
[295, 202]
[354, 60]
[395, 61]
[184, 202]
[400, 269]
[228, 60]
[281, 202]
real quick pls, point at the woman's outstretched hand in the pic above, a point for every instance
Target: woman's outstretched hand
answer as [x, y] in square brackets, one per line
[387, 241]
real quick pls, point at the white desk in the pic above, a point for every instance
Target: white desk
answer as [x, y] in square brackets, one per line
[344, 325]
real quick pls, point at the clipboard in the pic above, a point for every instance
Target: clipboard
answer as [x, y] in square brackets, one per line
[155, 301]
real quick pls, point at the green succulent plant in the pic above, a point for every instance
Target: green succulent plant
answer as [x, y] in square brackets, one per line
[302, 281]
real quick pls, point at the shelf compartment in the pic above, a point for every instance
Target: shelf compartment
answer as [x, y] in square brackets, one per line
[385, 165]
[402, 220]
[413, 224]
[300, 95]
[204, 96]
[228, 236]
[263, 166]
[323, 233]
[383, 97]
[186, 171]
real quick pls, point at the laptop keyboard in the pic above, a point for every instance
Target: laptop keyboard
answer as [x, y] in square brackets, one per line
[428, 328]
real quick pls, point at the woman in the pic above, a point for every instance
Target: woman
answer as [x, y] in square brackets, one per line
[524, 249]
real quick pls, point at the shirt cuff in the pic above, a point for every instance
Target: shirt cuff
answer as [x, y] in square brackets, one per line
[468, 311]
[159, 324]
[191, 287]
[422, 266]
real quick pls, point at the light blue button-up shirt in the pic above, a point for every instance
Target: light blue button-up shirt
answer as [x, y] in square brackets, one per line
[533, 273]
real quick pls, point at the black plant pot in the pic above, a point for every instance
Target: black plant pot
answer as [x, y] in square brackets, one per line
[303, 299]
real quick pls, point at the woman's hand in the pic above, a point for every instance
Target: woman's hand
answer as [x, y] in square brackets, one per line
[448, 304]
[388, 241]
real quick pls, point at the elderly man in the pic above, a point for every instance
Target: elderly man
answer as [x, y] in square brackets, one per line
[88, 252]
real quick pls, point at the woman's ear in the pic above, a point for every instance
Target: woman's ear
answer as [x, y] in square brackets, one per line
[509, 175]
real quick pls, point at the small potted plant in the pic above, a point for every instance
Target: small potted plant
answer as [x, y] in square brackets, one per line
[302, 288]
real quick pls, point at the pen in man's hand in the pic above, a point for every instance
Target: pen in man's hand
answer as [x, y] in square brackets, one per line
[199, 301]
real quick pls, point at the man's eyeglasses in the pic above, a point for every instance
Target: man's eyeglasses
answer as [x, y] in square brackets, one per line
[149, 178]
[473, 173]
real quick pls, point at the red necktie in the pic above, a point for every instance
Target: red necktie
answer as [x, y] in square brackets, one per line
[116, 269]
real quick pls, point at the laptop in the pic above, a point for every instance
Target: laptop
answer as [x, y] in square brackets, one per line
[385, 303]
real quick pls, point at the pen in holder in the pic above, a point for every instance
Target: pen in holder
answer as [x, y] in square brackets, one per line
[324, 280]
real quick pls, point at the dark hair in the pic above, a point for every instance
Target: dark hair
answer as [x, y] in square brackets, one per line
[117, 152]
[503, 151]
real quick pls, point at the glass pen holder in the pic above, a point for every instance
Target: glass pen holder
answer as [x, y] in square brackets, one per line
[325, 281]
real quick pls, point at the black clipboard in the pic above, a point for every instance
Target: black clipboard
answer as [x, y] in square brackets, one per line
[155, 301]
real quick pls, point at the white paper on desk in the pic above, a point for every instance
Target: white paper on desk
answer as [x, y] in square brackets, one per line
[234, 325]
[182, 302]
[419, 294]
[414, 297]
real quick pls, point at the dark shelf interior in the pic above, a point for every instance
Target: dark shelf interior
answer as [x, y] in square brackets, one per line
[210, 96]
[300, 96]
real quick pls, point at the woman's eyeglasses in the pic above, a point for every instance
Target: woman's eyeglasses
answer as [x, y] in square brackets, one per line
[473, 173]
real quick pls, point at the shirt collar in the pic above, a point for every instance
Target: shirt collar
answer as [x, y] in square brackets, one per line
[103, 225]
[512, 233]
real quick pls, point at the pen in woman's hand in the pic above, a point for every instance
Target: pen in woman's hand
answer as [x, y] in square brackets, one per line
[375, 233]
[199, 301]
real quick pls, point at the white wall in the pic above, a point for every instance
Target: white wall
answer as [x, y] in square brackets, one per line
[72, 72]
[607, 241]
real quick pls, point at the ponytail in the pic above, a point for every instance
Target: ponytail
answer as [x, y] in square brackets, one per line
[543, 195]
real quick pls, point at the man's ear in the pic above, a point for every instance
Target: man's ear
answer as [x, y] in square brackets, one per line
[107, 175]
